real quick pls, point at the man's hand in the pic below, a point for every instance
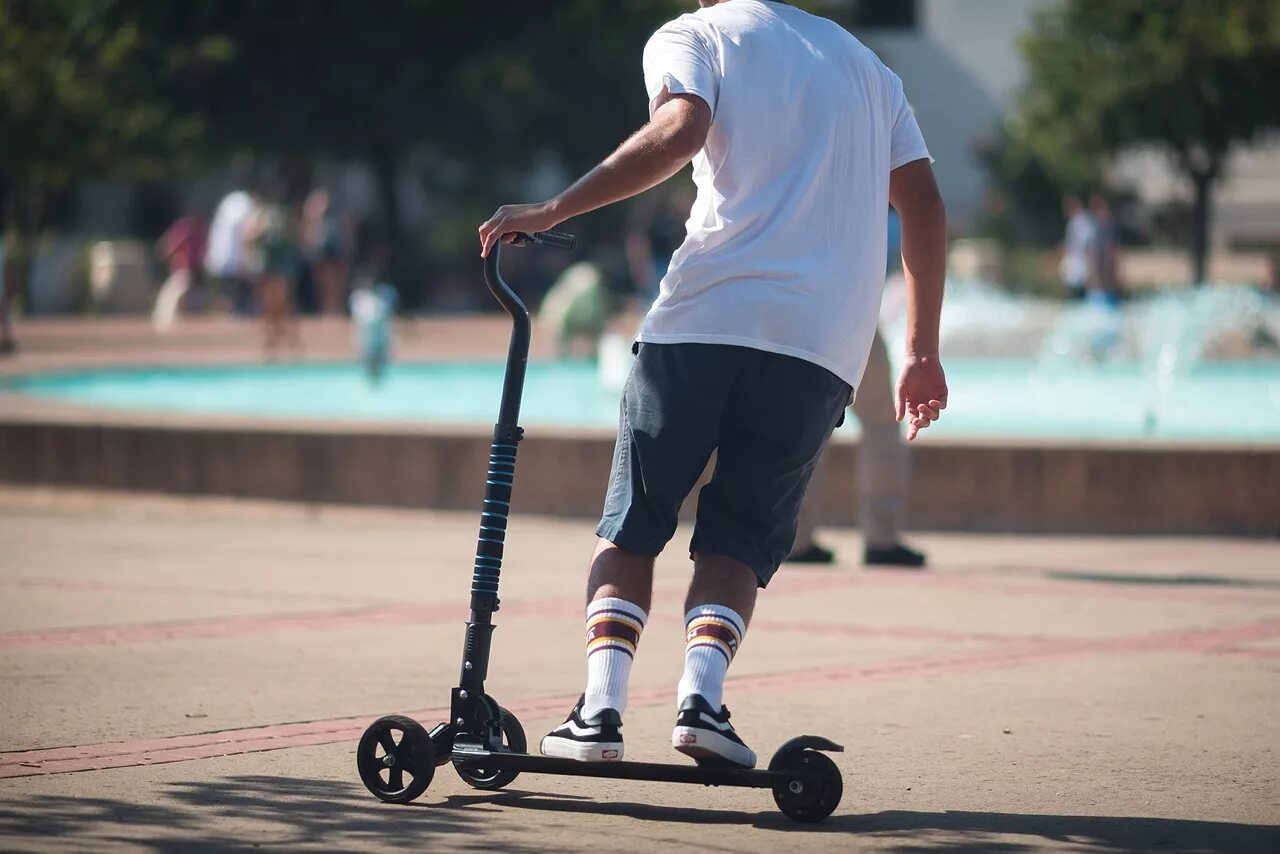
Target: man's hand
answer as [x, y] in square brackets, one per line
[922, 393]
[512, 218]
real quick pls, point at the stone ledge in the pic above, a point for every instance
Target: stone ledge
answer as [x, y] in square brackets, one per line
[1050, 487]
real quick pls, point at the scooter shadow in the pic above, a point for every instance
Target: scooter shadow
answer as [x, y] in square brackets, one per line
[552, 802]
[952, 832]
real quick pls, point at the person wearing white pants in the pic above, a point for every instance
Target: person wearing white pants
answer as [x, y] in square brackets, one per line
[884, 476]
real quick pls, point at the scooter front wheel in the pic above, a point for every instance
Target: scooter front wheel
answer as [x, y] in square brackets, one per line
[396, 770]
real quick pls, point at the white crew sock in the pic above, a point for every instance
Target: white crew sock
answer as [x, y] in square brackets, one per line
[713, 634]
[613, 630]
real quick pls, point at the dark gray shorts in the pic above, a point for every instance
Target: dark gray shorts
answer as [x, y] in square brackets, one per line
[768, 416]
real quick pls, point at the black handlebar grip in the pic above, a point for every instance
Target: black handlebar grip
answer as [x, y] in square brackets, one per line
[558, 239]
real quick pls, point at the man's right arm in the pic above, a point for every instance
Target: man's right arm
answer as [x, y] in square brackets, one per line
[922, 388]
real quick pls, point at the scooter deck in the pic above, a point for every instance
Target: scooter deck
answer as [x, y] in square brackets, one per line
[467, 757]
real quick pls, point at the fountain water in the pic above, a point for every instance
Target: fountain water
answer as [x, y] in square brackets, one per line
[1164, 337]
[1183, 326]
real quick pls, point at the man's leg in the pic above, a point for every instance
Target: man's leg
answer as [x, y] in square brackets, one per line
[619, 592]
[884, 465]
[718, 607]
[806, 548]
[621, 574]
[670, 418]
[169, 300]
[780, 414]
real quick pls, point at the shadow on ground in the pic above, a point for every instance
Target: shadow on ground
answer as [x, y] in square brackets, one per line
[1161, 580]
[242, 813]
[253, 812]
[956, 832]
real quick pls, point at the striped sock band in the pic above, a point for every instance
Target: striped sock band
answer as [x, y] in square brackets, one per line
[713, 634]
[613, 630]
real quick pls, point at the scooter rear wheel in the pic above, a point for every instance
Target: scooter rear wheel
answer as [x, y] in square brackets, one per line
[810, 799]
[384, 763]
[513, 740]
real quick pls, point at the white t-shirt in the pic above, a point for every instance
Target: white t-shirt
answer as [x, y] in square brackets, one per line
[785, 250]
[1078, 250]
[225, 254]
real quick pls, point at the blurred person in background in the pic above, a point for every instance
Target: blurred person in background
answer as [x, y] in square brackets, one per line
[884, 461]
[883, 475]
[1102, 291]
[1079, 248]
[373, 307]
[228, 257]
[271, 233]
[326, 243]
[1106, 247]
[655, 230]
[7, 343]
[576, 306]
[372, 240]
[182, 248]
[1264, 325]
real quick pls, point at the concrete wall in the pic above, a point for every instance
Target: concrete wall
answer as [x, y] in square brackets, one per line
[961, 69]
[1134, 488]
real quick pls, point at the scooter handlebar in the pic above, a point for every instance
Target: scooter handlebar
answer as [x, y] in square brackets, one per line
[501, 290]
[558, 239]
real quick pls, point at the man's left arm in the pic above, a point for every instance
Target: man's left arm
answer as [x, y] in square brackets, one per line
[676, 132]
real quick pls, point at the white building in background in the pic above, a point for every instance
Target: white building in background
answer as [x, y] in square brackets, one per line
[961, 65]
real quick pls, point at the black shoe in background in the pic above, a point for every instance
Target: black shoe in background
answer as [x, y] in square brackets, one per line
[895, 555]
[814, 554]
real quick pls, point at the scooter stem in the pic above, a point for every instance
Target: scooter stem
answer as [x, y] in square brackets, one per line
[517, 353]
[498, 483]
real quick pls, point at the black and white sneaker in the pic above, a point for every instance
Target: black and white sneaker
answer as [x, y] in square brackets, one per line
[596, 740]
[706, 734]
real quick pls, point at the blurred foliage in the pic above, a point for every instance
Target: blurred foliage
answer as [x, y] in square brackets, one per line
[1024, 199]
[83, 93]
[1192, 78]
[468, 99]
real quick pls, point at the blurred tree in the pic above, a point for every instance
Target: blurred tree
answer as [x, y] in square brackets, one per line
[83, 93]
[1024, 203]
[474, 97]
[1193, 78]
[472, 94]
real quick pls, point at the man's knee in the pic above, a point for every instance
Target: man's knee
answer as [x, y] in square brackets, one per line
[715, 571]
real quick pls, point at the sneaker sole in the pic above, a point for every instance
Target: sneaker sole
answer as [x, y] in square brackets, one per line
[567, 748]
[704, 744]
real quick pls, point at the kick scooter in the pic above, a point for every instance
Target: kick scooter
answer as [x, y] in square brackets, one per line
[397, 756]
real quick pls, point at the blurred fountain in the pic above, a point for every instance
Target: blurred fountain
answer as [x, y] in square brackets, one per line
[1093, 368]
[1181, 327]
[1088, 335]
[978, 319]
[1164, 336]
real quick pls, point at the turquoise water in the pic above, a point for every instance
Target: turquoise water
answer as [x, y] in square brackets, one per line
[1234, 401]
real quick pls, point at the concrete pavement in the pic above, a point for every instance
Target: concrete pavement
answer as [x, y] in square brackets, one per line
[215, 662]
